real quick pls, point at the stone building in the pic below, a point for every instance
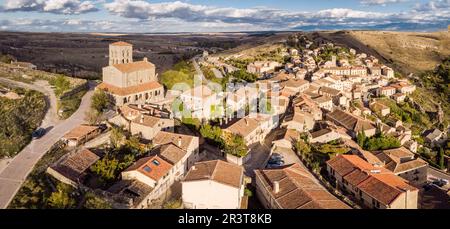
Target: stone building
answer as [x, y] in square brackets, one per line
[129, 81]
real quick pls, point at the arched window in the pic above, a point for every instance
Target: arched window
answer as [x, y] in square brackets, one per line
[124, 100]
[146, 96]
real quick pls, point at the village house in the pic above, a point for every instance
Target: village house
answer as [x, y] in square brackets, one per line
[380, 108]
[386, 91]
[399, 97]
[324, 102]
[388, 72]
[71, 168]
[213, 185]
[347, 71]
[324, 135]
[80, 135]
[262, 67]
[336, 95]
[168, 162]
[146, 122]
[286, 138]
[434, 137]
[297, 86]
[352, 123]
[253, 129]
[293, 187]
[127, 81]
[403, 163]
[403, 87]
[372, 185]
[201, 102]
[299, 120]
[236, 101]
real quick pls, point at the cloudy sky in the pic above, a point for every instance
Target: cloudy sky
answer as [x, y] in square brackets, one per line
[148, 16]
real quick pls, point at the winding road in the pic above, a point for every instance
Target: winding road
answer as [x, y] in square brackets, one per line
[15, 173]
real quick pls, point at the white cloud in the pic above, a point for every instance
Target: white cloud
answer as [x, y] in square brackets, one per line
[176, 16]
[380, 2]
[434, 5]
[51, 6]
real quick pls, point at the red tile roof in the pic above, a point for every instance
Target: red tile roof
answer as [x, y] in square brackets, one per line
[124, 91]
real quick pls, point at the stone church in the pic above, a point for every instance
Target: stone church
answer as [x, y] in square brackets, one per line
[128, 81]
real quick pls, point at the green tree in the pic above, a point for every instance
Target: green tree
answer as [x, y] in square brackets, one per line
[212, 134]
[100, 101]
[61, 198]
[236, 146]
[107, 168]
[361, 138]
[302, 148]
[61, 84]
[93, 201]
[117, 137]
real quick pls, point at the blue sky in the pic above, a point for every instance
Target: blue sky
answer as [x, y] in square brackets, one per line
[221, 15]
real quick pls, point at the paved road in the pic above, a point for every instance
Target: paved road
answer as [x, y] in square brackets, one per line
[12, 177]
[198, 69]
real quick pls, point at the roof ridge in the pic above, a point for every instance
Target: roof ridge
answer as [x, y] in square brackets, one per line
[213, 174]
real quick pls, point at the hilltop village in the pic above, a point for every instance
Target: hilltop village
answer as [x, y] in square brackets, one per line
[317, 128]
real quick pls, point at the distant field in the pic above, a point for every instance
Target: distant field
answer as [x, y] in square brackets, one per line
[84, 55]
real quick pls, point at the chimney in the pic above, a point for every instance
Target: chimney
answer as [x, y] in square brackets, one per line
[142, 118]
[246, 121]
[179, 141]
[145, 59]
[276, 187]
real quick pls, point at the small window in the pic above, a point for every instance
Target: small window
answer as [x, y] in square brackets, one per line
[147, 169]
[155, 162]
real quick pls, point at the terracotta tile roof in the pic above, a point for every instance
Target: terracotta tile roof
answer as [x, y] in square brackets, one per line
[322, 99]
[217, 170]
[298, 189]
[387, 88]
[321, 132]
[146, 120]
[243, 126]
[294, 83]
[288, 134]
[170, 152]
[132, 189]
[377, 182]
[164, 137]
[349, 121]
[121, 43]
[385, 187]
[74, 165]
[80, 132]
[329, 90]
[154, 167]
[400, 160]
[345, 164]
[124, 91]
[134, 66]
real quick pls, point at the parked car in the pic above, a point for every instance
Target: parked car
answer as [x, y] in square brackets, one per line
[440, 182]
[38, 133]
[275, 161]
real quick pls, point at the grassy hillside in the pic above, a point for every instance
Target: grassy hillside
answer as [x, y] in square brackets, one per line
[405, 51]
[19, 119]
